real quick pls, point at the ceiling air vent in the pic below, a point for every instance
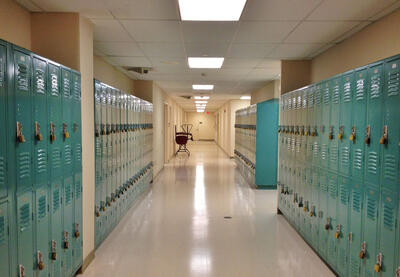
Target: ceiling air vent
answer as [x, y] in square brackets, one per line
[140, 70]
[188, 97]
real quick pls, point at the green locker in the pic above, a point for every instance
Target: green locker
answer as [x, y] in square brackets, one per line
[323, 217]
[109, 148]
[355, 226]
[66, 92]
[3, 122]
[324, 127]
[104, 154]
[314, 207]
[333, 129]
[374, 123]
[26, 255]
[332, 219]
[98, 160]
[309, 125]
[76, 127]
[23, 118]
[4, 241]
[342, 227]
[42, 231]
[359, 124]
[315, 130]
[68, 230]
[77, 234]
[344, 135]
[56, 228]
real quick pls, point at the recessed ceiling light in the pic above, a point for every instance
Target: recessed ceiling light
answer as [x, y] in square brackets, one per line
[211, 10]
[200, 111]
[200, 102]
[245, 97]
[202, 62]
[203, 87]
[202, 97]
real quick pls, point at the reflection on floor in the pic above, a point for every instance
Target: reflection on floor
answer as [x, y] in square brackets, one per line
[179, 228]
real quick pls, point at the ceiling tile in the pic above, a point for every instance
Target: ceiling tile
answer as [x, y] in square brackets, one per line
[176, 84]
[240, 63]
[278, 10]
[208, 32]
[218, 49]
[320, 31]
[109, 30]
[131, 61]
[262, 74]
[244, 50]
[174, 50]
[144, 9]
[346, 10]
[119, 48]
[294, 51]
[270, 63]
[153, 31]
[169, 62]
[264, 32]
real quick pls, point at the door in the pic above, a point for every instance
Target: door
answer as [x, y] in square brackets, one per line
[56, 228]
[3, 135]
[25, 234]
[4, 241]
[42, 231]
[344, 132]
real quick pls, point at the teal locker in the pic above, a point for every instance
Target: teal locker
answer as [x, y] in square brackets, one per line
[333, 129]
[3, 126]
[309, 125]
[314, 207]
[42, 247]
[315, 131]
[323, 218]
[359, 124]
[342, 226]
[56, 228]
[370, 237]
[324, 128]
[343, 137]
[66, 92]
[98, 159]
[76, 127]
[307, 203]
[104, 152]
[4, 241]
[26, 255]
[374, 123]
[77, 234]
[109, 148]
[68, 209]
[390, 137]
[332, 218]
[40, 134]
[23, 118]
[355, 226]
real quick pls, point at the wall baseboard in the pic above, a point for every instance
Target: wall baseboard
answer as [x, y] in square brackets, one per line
[88, 260]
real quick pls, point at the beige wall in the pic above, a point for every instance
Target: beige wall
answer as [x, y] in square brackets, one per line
[110, 75]
[203, 125]
[15, 23]
[270, 91]
[295, 74]
[144, 89]
[377, 41]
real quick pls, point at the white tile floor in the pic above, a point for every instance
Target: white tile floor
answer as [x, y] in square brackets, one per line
[179, 228]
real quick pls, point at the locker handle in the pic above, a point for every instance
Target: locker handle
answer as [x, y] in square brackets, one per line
[20, 135]
[363, 250]
[384, 137]
[367, 139]
[65, 131]
[40, 263]
[52, 132]
[378, 265]
[38, 135]
[53, 250]
[341, 132]
[353, 134]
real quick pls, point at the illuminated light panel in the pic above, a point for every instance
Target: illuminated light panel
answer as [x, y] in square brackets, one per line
[203, 87]
[245, 97]
[200, 102]
[205, 62]
[211, 10]
[202, 97]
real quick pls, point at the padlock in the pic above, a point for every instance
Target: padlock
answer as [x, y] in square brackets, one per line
[367, 139]
[378, 265]
[21, 271]
[20, 135]
[52, 132]
[338, 231]
[328, 224]
[38, 135]
[77, 233]
[383, 139]
[398, 272]
[53, 250]
[363, 251]
[353, 133]
[66, 133]
[330, 133]
[66, 242]
[40, 263]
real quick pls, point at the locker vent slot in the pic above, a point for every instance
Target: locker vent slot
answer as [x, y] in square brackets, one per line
[375, 86]
[393, 84]
[332, 189]
[22, 77]
[40, 84]
[336, 95]
[358, 159]
[324, 151]
[304, 106]
[299, 102]
[345, 156]
[41, 160]
[326, 96]
[372, 162]
[78, 190]
[67, 87]
[347, 92]
[310, 100]
[316, 150]
[77, 90]
[78, 152]
[323, 186]
[68, 154]
[2, 172]
[371, 208]
[54, 84]
[42, 207]
[56, 158]
[342, 257]
[355, 266]
[318, 97]
[333, 155]
[360, 90]
[2, 230]
[388, 217]
[24, 216]
[68, 194]
[389, 164]
[344, 194]
[24, 165]
[356, 201]
[56, 200]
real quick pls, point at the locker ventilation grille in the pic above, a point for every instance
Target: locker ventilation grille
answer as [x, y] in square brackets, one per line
[316, 150]
[371, 208]
[56, 158]
[388, 217]
[77, 89]
[355, 266]
[41, 160]
[360, 90]
[333, 155]
[356, 201]
[68, 154]
[40, 84]
[54, 84]
[2, 230]
[332, 189]
[375, 86]
[310, 100]
[24, 216]
[344, 157]
[318, 97]
[68, 194]
[324, 151]
[336, 95]
[78, 190]
[66, 87]
[22, 77]
[78, 152]
[358, 159]
[56, 200]
[42, 207]
[372, 162]
[347, 92]
[393, 84]
[24, 165]
[2, 172]
[344, 194]
[389, 164]
[326, 96]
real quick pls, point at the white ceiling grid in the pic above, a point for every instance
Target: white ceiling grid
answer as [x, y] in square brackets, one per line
[149, 33]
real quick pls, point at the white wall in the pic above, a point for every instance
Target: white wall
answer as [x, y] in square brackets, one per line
[204, 130]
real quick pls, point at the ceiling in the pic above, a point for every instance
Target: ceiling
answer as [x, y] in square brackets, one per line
[149, 33]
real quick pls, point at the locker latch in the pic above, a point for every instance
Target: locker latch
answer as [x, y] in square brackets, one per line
[331, 132]
[353, 134]
[314, 131]
[66, 242]
[102, 132]
[40, 263]
[77, 233]
[341, 132]
[52, 132]
[297, 132]
[301, 204]
[338, 231]
[367, 139]
[384, 137]
[75, 127]
[328, 224]
[363, 251]
[378, 265]
[97, 211]
[398, 272]
[305, 209]
[21, 271]
[38, 135]
[103, 206]
[65, 131]
[302, 131]
[312, 211]
[53, 250]
[20, 135]
[350, 237]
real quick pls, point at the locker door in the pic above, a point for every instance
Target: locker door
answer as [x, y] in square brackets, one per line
[77, 221]
[355, 227]
[104, 151]
[56, 228]
[3, 135]
[315, 130]
[40, 133]
[42, 231]
[359, 124]
[322, 214]
[324, 130]
[346, 107]
[314, 207]
[342, 227]
[391, 149]
[309, 125]
[332, 218]
[4, 241]
[370, 229]
[98, 159]
[374, 121]
[333, 128]
[23, 117]
[76, 122]
[68, 230]
[25, 233]
[109, 149]
[66, 121]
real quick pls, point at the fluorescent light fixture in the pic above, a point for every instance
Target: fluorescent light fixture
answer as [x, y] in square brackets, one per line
[202, 97]
[245, 97]
[200, 102]
[211, 10]
[201, 105]
[203, 87]
[200, 111]
[205, 62]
